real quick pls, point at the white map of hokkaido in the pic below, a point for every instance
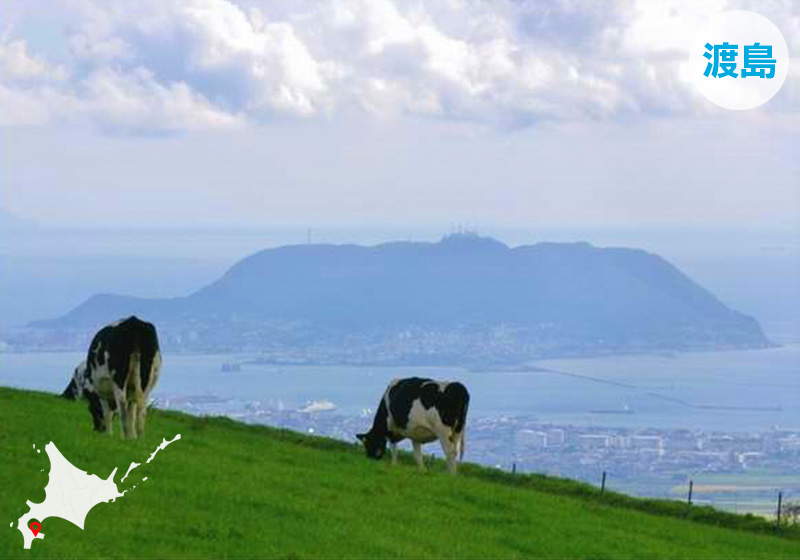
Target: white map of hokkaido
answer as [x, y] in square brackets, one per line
[70, 492]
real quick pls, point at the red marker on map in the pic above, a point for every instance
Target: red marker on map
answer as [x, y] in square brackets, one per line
[35, 528]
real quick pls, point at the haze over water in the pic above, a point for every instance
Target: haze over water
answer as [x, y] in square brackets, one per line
[726, 391]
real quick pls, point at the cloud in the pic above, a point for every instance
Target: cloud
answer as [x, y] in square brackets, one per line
[34, 92]
[240, 62]
[29, 85]
[17, 64]
[134, 101]
[172, 65]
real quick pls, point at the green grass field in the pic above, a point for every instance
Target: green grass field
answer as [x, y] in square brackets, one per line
[227, 489]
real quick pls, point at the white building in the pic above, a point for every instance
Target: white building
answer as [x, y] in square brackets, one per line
[790, 444]
[555, 436]
[647, 442]
[594, 441]
[530, 438]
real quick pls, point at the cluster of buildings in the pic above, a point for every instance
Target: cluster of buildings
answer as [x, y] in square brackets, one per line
[580, 452]
[736, 471]
[296, 343]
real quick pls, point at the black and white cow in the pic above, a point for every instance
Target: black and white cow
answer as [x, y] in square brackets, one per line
[120, 371]
[422, 410]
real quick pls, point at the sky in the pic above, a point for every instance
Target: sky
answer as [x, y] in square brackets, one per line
[217, 113]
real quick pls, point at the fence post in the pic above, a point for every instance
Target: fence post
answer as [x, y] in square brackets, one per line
[513, 468]
[691, 487]
[780, 498]
[603, 484]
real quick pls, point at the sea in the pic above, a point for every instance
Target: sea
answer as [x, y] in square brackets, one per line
[743, 391]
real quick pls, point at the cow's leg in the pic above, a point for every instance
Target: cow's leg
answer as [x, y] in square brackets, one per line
[135, 395]
[393, 447]
[418, 455]
[145, 397]
[450, 452]
[141, 412]
[108, 416]
[122, 407]
[142, 398]
[132, 418]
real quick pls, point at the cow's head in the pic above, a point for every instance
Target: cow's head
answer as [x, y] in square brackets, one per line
[96, 409]
[71, 392]
[75, 387]
[374, 445]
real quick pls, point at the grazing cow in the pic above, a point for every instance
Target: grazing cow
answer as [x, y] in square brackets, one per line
[119, 373]
[422, 410]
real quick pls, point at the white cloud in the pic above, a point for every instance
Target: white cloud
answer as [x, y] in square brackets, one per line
[29, 86]
[17, 64]
[170, 65]
[242, 62]
[134, 101]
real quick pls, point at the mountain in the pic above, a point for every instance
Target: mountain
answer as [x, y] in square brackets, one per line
[474, 293]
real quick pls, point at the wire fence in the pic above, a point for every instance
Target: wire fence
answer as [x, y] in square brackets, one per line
[775, 503]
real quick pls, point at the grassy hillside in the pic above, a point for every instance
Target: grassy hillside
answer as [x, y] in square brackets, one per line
[228, 489]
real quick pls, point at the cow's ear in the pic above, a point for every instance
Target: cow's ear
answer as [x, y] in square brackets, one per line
[361, 437]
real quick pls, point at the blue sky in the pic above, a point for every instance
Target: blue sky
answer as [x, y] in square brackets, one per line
[214, 113]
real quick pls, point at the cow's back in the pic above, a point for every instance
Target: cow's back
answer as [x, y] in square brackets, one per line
[116, 346]
[400, 396]
[453, 406]
[449, 399]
